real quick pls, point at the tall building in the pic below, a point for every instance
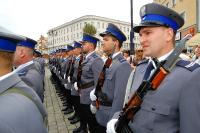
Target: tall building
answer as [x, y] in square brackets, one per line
[188, 9]
[73, 31]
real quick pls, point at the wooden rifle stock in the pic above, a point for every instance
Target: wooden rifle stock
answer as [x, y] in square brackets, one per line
[101, 80]
[68, 68]
[133, 105]
[79, 71]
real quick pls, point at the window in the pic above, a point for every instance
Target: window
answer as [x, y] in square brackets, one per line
[127, 29]
[173, 2]
[183, 15]
[102, 25]
[167, 5]
[98, 25]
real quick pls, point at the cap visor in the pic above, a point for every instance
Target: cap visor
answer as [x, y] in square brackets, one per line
[139, 27]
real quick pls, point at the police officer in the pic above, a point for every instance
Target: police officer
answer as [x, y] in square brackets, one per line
[91, 67]
[69, 65]
[26, 68]
[37, 58]
[73, 78]
[21, 109]
[116, 77]
[173, 106]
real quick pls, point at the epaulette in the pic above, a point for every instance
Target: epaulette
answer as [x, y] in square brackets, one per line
[78, 59]
[191, 66]
[142, 62]
[22, 73]
[121, 60]
[94, 56]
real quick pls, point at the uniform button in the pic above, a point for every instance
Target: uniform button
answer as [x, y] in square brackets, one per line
[153, 109]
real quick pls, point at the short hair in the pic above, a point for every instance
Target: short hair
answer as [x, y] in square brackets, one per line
[115, 39]
[7, 58]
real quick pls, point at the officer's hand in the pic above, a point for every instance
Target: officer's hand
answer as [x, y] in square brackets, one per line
[111, 126]
[75, 86]
[93, 109]
[65, 86]
[92, 95]
[68, 79]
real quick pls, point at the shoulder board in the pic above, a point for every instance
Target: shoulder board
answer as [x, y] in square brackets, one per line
[143, 61]
[191, 66]
[77, 59]
[22, 73]
[94, 55]
[121, 60]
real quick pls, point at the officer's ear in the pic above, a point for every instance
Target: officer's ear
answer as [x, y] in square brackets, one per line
[170, 34]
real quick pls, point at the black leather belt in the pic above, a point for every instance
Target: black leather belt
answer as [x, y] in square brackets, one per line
[105, 103]
[87, 85]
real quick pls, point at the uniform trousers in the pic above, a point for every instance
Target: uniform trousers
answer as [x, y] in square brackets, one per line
[87, 118]
[76, 104]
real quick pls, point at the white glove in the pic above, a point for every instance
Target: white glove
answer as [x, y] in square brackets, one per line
[75, 86]
[65, 86]
[93, 109]
[92, 95]
[111, 126]
[68, 79]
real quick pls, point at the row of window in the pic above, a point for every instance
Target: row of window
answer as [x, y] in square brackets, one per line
[171, 3]
[78, 26]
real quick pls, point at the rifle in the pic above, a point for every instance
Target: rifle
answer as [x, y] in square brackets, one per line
[68, 68]
[71, 70]
[79, 73]
[133, 105]
[100, 82]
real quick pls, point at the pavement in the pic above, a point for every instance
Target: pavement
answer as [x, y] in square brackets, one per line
[57, 121]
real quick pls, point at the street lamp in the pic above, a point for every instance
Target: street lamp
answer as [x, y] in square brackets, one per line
[132, 50]
[197, 14]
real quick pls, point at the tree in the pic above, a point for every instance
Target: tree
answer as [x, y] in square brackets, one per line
[89, 29]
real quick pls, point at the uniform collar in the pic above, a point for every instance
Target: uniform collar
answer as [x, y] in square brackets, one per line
[5, 76]
[115, 54]
[8, 81]
[77, 57]
[22, 66]
[160, 59]
[164, 57]
[89, 54]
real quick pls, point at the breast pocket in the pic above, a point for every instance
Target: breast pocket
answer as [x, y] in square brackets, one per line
[109, 85]
[151, 115]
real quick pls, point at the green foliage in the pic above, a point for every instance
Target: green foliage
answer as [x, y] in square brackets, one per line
[89, 29]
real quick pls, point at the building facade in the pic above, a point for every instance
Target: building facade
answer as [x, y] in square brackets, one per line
[71, 31]
[188, 9]
[42, 45]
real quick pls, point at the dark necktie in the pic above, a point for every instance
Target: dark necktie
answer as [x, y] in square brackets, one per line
[148, 71]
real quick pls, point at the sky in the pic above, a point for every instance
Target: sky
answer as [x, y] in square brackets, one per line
[33, 18]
